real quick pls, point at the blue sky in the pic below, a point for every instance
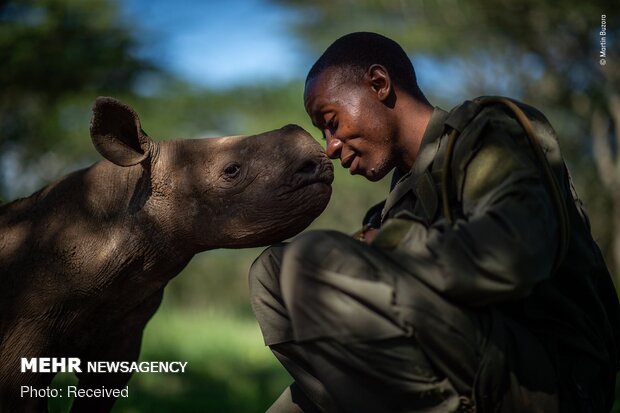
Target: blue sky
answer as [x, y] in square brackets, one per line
[220, 43]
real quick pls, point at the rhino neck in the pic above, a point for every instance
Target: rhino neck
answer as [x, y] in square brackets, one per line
[142, 213]
[172, 205]
[101, 215]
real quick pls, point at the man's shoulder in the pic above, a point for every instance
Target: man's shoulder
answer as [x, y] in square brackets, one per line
[498, 115]
[486, 108]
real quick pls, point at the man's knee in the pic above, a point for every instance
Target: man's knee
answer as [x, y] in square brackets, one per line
[287, 263]
[306, 258]
[325, 250]
[310, 250]
[331, 289]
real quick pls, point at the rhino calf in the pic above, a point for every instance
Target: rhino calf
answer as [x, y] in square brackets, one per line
[84, 261]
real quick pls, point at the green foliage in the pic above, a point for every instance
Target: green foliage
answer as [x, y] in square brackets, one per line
[57, 55]
[51, 48]
[556, 36]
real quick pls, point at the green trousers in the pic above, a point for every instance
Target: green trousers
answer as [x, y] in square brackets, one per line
[359, 333]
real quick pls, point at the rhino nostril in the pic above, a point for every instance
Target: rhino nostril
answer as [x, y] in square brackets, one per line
[309, 167]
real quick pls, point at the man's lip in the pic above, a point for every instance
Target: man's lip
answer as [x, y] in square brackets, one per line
[346, 162]
[354, 165]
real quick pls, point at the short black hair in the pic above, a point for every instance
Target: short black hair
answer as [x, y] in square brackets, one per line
[354, 53]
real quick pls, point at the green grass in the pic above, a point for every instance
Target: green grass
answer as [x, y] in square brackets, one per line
[229, 369]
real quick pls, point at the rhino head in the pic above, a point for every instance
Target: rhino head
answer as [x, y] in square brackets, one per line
[226, 192]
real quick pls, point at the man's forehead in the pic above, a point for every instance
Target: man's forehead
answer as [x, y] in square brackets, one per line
[327, 86]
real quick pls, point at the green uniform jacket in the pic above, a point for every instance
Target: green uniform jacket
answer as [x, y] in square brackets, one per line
[502, 248]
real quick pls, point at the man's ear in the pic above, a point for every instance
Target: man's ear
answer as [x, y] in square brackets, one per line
[379, 79]
[116, 133]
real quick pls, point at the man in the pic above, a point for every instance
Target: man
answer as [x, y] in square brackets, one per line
[477, 285]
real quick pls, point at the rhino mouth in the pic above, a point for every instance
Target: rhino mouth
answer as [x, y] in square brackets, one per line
[324, 178]
[312, 172]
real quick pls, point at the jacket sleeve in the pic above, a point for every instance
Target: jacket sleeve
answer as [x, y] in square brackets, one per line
[506, 240]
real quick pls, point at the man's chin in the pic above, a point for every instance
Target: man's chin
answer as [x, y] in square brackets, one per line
[373, 175]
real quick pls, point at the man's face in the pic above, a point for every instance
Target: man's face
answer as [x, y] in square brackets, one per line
[355, 123]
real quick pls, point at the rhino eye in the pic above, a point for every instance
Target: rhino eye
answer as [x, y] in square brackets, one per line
[232, 170]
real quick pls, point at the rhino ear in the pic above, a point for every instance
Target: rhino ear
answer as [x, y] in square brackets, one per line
[116, 133]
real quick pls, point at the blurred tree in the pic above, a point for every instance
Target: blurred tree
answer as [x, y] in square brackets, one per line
[546, 53]
[53, 53]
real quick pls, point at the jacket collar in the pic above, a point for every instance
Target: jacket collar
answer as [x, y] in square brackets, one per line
[429, 145]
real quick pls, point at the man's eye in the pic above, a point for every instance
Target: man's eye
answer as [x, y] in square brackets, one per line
[332, 124]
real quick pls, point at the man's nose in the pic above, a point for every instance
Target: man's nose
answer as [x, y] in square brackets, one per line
[333, 147]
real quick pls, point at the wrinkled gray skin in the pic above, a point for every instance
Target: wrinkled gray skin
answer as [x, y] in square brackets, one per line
[84, 261]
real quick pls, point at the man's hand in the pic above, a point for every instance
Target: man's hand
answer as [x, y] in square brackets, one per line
[366, 234]
[369, 235]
